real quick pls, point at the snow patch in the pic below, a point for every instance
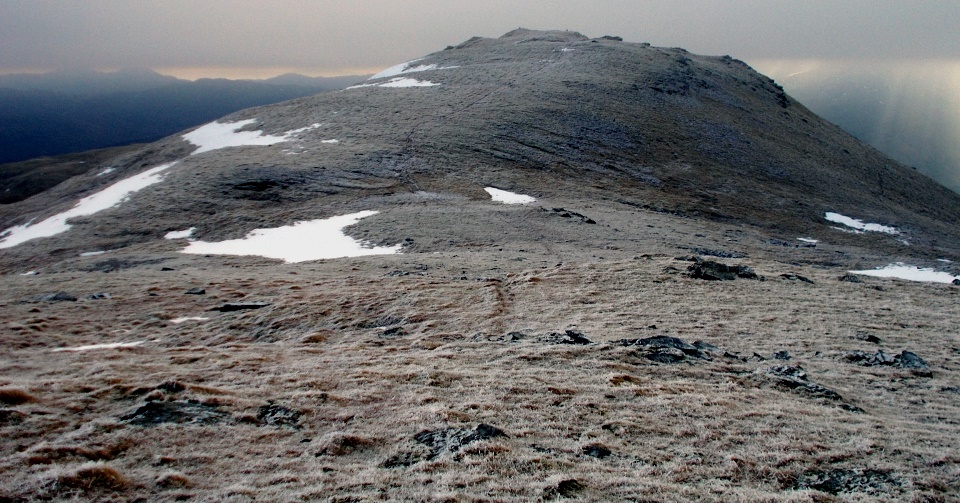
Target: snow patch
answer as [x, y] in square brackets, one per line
[113, 345]
[399, 82]
[93, 253]
[329, 141]
[853, 223]
[105, 171]
[300, 242]
[402, 68]
[909, 272]
[184, 234]
[505, 197]
[217, 135]
[808, 240]
[30, 273]
[106, 198]
[177, 321]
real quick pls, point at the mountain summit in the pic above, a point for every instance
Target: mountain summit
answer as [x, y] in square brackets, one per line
[528, 268]
[545, 113]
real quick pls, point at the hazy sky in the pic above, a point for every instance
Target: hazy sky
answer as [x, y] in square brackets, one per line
[327, 37]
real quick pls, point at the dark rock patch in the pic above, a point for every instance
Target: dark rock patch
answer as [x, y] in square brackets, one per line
[569, 337]
[850, 278]
[716, 271]
[515, 336]
[956, 281]
[432, 443]
[717, 253]
[195, 291]
[665, 349]
[192, 412]
[905, 360]
[100, 296]
[782, 355]
[240, 306]
[864, 336]
[794, 378]
[713, 351]
[564, 489]
[171, 387]
[53, 297]
[845, 481]
[392, 332]
[278, 415]
[796, 277]
[11, 417]
[573, 215]
[596, 451]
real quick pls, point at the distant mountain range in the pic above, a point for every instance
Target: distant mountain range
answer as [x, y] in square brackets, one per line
[70, 111]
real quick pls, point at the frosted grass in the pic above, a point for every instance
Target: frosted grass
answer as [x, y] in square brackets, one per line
[300, 242]
[105, 199]
[506, 197]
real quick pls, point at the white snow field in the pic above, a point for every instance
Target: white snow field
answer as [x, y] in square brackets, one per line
[300, 242]
[184, 234]
[217, 135]
[177, 321]
[91, 347]
[808, 240]
[505, 197]
[859, 225]
[398, 82]
[106, 198]
[402, 68]
[909, 272]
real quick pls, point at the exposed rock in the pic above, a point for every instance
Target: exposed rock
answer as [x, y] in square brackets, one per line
[850, 278]
[596, 451]
[905, 360]
[10, 416]
[564, 489]
[53, 297]
[665, 349]
[430, 444]
[842, 481]
[796, 277]
[240, 306]
[864, 336]
[612, 37]
[100, 296]
[195, 291]
[956, 281]
[782, 355]
[560, 212]
[569, 337]
[171, 387]
[717, 253]
[154, 413]
[278, 415]
[794, 378]
[716, 271]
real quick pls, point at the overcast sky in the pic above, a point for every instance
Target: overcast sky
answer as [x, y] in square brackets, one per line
[329, 37]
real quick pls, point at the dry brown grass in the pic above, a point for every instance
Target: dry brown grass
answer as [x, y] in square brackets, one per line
[354, 363]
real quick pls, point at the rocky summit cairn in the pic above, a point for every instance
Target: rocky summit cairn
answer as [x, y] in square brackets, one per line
[537, 267]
